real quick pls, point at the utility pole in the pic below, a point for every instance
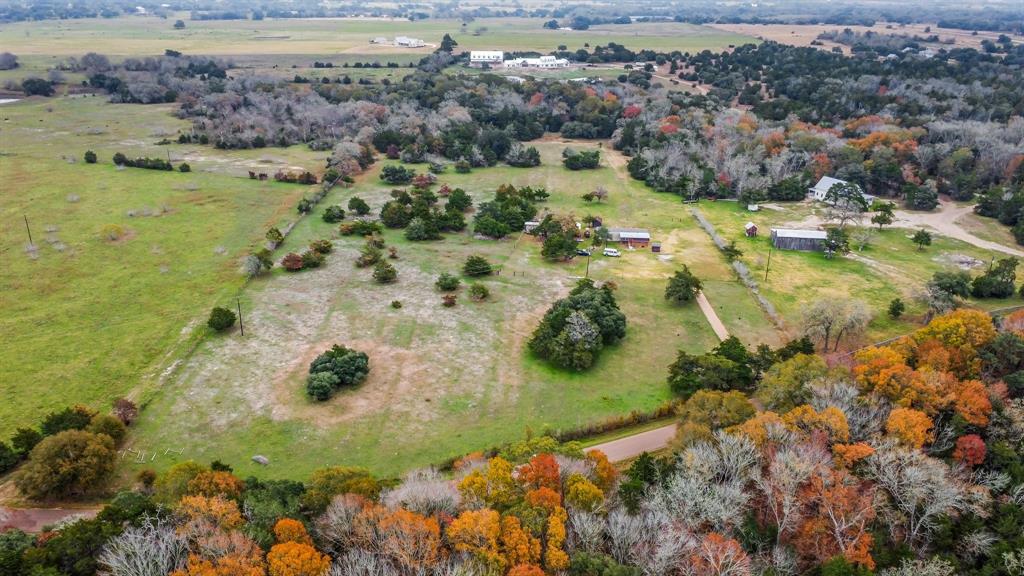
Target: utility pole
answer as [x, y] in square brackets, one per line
[769, 265]
[241, 326]
[588, 266]
[29, 230]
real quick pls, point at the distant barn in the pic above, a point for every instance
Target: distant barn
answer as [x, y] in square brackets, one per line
[804, 240]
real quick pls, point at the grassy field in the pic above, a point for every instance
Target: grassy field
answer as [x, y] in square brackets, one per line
[890, 267]
[87, 319]
[443, 381]
[341, 38]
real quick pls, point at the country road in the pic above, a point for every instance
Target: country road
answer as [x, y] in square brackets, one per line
[633, 446]
[33, 520]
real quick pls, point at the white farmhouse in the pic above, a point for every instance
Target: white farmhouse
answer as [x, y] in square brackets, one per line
[826, 183]
[489, 57]
[545, 62]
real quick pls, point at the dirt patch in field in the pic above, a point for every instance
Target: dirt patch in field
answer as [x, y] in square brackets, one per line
[804, 34]
[419, 354]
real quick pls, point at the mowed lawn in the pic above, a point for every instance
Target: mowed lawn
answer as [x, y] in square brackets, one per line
[86, 319]
[148, 36]
[890, 267]
[444, 381]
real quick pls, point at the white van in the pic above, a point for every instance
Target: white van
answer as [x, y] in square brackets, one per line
[611, 252]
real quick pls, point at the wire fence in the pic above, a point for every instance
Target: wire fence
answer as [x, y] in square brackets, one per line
[741, 270]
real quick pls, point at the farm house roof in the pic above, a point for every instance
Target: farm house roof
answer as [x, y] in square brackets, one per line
[794, 233]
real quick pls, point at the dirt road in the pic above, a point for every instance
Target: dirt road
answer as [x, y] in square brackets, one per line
[712, 316]
[943, 221]
[33, 520]
[633, 446]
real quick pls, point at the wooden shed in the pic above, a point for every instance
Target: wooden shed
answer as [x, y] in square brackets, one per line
[793, 239]
[750, 229]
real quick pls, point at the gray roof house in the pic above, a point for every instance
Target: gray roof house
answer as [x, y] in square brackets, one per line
[793, 239]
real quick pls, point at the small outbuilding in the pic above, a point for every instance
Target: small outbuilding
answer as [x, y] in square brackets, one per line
[529, 225]
[631, 237]
[750, 229]
[655, 247]
[803, 240]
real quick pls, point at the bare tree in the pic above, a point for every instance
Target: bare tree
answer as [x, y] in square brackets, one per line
[920, 490]
[826, 319]
[152, 548]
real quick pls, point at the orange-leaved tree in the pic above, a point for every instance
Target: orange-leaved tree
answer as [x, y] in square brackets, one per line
[555, 558]
[289, 530]
[605, 472]
[517, 545]
[476, 533]
[910, 427]
[216, 483]
[295, 559]
[541, 472]
[410, 539]
[841, 512]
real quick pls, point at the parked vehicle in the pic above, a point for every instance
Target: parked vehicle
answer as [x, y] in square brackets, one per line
[582, 252]
[611, 252]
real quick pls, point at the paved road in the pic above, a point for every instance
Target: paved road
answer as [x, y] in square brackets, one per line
[633, 446]
[34, 519]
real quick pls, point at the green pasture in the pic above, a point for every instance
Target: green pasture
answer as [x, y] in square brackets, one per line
[890, 267]
[88, 319]
[146, 35]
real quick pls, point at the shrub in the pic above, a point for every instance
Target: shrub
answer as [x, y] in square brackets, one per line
[448, 300]
[112, 232]
[184, 167]
[368, 256]
[71, 463]
[336, 368]
[896, 308]
[274, 236]
[421, 229]
[109, 425]
[447, 282]
[397, 174]
[37, 87]
[333, 214]
[581, 159]
[312, 259]
[359, 206]
[359, 228]
[682, 287]
[321, 385]
[479, 292]
[221, 319]
[477, 266]
[8, 458]
[384, 272]
[396, 304]
[462, 166]
[90, 157]
[292, 262]
[75, 418]
[322, 246]
[125, 410]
